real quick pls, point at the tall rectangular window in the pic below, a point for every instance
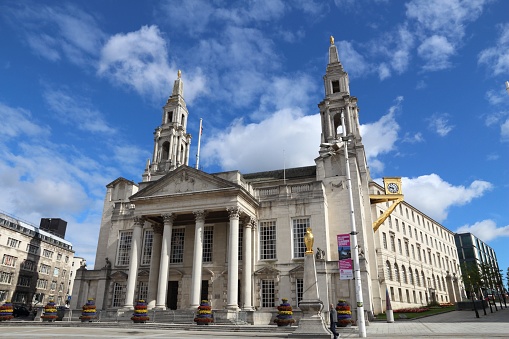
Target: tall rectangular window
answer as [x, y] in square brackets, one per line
[118, 295]
[124, 247]
[393, 246]
[268, 294]
[299, 230]
[208, 243]
[299, 289]
[44, 269]
[42, 283]
[177, 246]
[267, 240]
[143, 290]
[148, 240]
[47, 253]
[399, 247]
[32, 249]
[28, 265]
[13, 242]
[24, 281]
[241, 242]
[384, 240]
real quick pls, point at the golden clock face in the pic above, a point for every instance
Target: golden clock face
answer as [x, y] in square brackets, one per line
[392, 188]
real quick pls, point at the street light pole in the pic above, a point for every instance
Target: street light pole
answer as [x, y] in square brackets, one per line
[357, 271]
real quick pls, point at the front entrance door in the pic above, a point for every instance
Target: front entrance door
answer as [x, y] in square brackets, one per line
[204, 290]
[173, 292]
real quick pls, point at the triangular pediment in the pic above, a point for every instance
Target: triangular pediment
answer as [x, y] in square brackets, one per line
[118, 276]
[297, 270]
[267, 270]
[184, 180]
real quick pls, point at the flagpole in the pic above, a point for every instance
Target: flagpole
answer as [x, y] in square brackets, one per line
[199, 142]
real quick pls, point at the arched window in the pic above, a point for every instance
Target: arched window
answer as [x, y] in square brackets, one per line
[443, 284]
[410, 275]
[403, 274]
[388, 270]
[423, 279]
[165, 155]
[417, 281]
[396, 273]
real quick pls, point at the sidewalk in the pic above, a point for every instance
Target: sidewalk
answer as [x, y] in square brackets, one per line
[456, 324]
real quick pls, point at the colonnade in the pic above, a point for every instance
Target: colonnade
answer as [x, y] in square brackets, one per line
[160, 260]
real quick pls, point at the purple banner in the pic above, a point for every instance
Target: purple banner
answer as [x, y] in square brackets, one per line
[345, 257]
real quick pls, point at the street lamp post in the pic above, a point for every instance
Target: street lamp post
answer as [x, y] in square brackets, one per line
[356, 265]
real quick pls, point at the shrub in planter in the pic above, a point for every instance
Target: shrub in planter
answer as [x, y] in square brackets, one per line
[284, 314]
[204, 314]
[140, 314]
[88, 311]
[344, 313]
[50, 312]
[6, 311]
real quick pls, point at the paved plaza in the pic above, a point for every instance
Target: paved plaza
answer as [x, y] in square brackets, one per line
[457, 324]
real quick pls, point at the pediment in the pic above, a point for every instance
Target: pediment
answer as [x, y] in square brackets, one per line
[297, 270]
[143, 273]
[184, 180]
[267, 270]
[118, 276]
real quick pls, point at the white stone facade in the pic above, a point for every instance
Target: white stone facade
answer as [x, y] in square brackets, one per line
[182, 235]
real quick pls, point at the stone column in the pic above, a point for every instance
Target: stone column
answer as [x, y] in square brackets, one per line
[197, 260]
[134, 261]
[247, 263]
[233, 260]
[162, 286]
[155, 260]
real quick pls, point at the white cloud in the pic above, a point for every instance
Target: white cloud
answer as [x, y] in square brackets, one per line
[380, 137]
[352, 60]
[497, 58]
[140, 60]
[288, 136]
[497, 97]
[413, 137]
[75, 33]
[435, 197]
[486, 230]
[439, 123]
[76, 112]
[504, 130]
[17, 122]
[436, 51]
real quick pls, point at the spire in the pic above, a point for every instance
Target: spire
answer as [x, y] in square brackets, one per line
[333, 55]
[178, 85]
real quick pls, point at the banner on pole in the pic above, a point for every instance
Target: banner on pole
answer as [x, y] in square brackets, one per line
[345, 257]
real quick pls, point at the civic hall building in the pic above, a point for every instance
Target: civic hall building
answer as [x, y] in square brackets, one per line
[236, 239]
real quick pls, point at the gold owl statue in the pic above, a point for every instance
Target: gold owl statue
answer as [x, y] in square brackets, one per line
[309, 240]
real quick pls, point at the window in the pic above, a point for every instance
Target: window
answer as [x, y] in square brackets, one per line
[42, 283]
[66, 259]
[208, 236]
[241, 242]
[400, 249]
[413, 252]
[3, 295]
[32, 249]
[410, 231]
[9, 260]
[407, 253]
[6, 278]
[335, 86]
[403, 228]
[45, 269]
[268, 240]
[396, 272]
[384, 240]
[397, 226]
[24, 281]
[268, 294]
[147, 247]
[300, 289]
[61, 287]
[124, 247]
[59, 256]
[64, 273]
[388, 270]
[143, 290]
[28, 265]
[47, 253]
[56, 272]
[411, 276]
[393, 247]
[299, 230]
[417, 282]
[390, 222]
[118, 295]
[177, 246]
[415, 231]
[13, 242]
[403, 274]
[419, 253]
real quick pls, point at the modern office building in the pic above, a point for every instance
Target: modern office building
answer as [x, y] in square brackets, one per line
[236, 239]
[35, 264]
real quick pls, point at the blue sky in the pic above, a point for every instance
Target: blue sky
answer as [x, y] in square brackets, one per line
[82, 86]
